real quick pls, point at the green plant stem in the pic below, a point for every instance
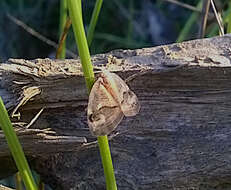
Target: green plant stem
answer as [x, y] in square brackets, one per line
[107, 162]
[228, 19]
[93, 22]
[18, 181]
[192, 19]
[81, 41]
[80, 7]
[16, 149]
[62, 23]
[80, 37]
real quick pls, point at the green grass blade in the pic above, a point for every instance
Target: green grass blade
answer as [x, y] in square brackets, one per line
[192, 19]
[16, 149]
[120, 40]
[93, 22]
[77, 23]
[228, 19]
[130, 21]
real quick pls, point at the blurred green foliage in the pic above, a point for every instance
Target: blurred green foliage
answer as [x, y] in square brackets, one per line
[122, 24]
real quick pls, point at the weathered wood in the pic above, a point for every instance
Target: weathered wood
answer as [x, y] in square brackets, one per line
[4, 188]
[179, 140]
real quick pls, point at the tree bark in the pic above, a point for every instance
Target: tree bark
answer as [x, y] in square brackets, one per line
[180, 139]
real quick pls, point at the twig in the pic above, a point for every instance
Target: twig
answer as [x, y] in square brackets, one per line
[37, 35]
[205, 10]
[35, 118]
[41, 185]
[187, 6]
[218, 18]
[63, 37]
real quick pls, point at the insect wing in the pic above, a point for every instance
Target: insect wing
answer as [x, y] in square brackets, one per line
[104, 114]
[127, 99]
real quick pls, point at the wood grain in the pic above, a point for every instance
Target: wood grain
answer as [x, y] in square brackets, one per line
[180, 139]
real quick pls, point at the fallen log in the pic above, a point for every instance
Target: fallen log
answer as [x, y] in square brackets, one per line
[4, 188]
[179, 140]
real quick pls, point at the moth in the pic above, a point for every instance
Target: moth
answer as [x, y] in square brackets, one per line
[110, 100]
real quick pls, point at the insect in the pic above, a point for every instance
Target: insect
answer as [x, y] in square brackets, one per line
[110, 100]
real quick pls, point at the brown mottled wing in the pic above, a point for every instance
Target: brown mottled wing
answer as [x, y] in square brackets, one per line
[104, 113]
[124, 96]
